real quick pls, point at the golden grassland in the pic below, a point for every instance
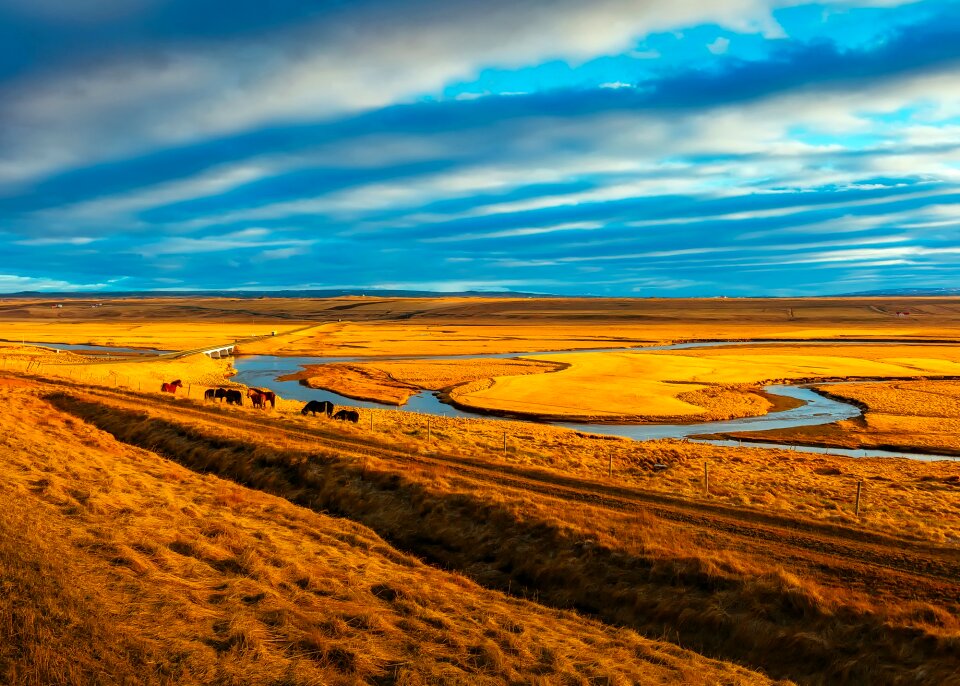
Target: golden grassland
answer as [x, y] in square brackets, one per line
[693, 384]
[119, 566]
[373, 326]
[197, 372]
[732, 597]
[908, 496]
[394, 381]
[445, 326]
[148, 335]
[915, 416]
[139, 570]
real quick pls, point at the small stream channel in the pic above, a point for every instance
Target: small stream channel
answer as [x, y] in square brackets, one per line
[263, 370]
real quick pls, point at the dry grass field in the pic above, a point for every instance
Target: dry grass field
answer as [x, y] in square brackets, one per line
[451, 326]
[913, 416]
[150, 538]
[195, 371]
[148, 335]
[819, 602]
[900, 496]
[121, 567]
[695, 384]
[377, 326]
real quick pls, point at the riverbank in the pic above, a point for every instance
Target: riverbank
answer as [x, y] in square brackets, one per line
[917, 416]
[393, 382]
[693, 384]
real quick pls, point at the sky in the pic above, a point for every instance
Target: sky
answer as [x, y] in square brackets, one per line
[647, 148]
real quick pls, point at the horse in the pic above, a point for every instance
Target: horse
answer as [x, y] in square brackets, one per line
[347, 416]
[209, 394]
[324, 406]
[233, 397]
[268, 396]
[171, 387]
[258, 398]
[220, 394]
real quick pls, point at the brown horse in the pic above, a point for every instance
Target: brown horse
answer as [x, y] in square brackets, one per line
[257, 397]
[171, 387]
[265, 397]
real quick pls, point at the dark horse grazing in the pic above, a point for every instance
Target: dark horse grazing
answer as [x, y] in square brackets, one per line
[347, 416]
[171, 387]
[234, 397]
[324, 406]
[214, 395]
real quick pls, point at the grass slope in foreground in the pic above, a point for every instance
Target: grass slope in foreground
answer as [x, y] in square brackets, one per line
[795, 598]
[118, 566]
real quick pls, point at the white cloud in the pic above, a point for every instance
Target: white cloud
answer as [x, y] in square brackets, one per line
[237, 240]
[351, 61]
[12, 283]
[719, 46]
[54, 240]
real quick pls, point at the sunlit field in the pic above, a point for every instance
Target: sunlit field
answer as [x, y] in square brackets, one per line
[921, 416]
[693, 384]
[206, 542]
[120, 563]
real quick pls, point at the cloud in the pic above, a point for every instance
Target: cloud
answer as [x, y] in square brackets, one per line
[237, 240]
[66, 240]
[719, 46]
[14, 283]
[348, 161]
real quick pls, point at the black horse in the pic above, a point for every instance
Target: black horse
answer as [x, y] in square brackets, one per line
[209, 394]
[347, 416]
[324, 406]
[220, 394]
[234, 397]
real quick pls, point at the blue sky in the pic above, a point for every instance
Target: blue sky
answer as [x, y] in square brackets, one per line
[616, 147]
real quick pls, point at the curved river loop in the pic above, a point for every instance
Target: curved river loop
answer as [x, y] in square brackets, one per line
[263, 370]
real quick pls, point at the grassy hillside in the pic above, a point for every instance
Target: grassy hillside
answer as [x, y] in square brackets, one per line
[120, 567]
[797, 599]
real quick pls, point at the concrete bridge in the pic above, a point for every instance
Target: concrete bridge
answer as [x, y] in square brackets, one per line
[220, 351]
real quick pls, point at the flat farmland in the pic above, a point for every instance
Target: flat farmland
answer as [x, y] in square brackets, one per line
[378, 326]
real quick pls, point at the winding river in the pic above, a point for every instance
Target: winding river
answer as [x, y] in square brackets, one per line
[263, 370]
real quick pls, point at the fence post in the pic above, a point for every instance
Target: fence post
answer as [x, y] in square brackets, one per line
[706, 479]
[610, 465]
[857, 506]
[189, 386]
[428, 429]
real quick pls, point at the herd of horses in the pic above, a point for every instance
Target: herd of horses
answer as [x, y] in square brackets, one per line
[259, 397]
[326, 407]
